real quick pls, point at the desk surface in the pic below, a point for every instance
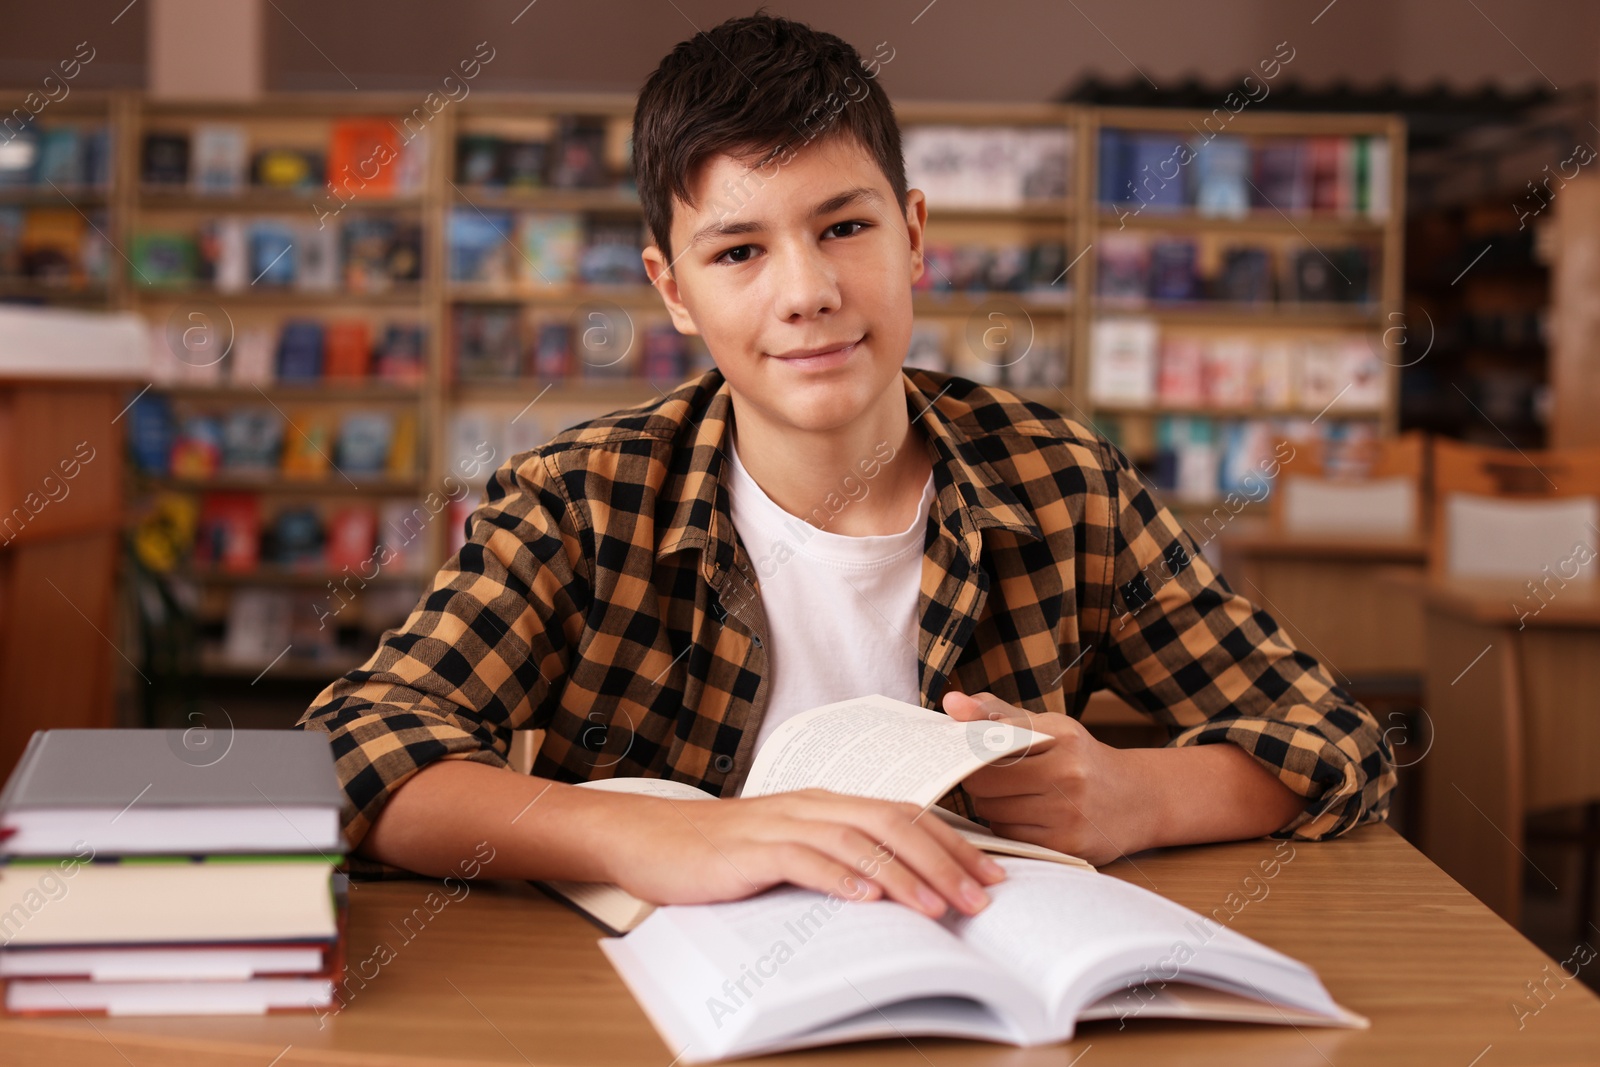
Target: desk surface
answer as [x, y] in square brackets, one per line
[503, 975]
[1354, 547]
[1498, 601]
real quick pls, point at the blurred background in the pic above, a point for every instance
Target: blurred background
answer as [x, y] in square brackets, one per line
[282, 282]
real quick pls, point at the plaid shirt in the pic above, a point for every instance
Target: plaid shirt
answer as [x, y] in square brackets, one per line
[604, 596]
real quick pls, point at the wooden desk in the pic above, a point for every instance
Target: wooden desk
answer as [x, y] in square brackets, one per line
[1330, 594]
[503, 975]
[1513, 700]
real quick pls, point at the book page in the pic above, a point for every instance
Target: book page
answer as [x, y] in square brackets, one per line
[879, 747]
[992, 842]
[1073, 935]
[649, 787]
[790, 960]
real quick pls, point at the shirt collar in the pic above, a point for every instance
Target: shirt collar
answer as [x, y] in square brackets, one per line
[970, 496]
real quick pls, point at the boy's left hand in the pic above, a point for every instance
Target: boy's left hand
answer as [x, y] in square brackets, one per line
[1071, 793]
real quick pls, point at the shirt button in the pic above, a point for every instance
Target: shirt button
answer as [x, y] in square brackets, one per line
[723, 763]
[758, 640]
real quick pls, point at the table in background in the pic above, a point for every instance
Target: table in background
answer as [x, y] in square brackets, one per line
[506, 976]
[1332, 595]
[1514, 702]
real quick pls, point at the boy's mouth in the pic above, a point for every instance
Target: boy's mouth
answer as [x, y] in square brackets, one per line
[819, 358]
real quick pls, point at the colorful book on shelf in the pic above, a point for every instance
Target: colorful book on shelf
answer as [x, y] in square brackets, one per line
[579, 155]
[221, 152]
[1282, 180]
[18, 166]
[403, 446]
[197, 448]
[1173, 270]
[552, 243]
[252, 440]
[52, 245]
[288, 167]
[1230, 372]
[481, 246]
[295, 539]
[664, 353]
[365, 438]
[1124, 268]
[1328, 195]
[1047, 269]
[361, 155]
[552, 352]
[1222, 177]
[478, 159]
[300, 351]
[317, 249]
[400, 355]
[488, 345]
[1274, 384]
[163, 259]
[525, 164]
[1122, 361]
[611, 254]
[59, 163]
[308, 446]
[1246, 276]
[257, 626]
[1180, 375]
[165, 159]
[229, 532]
[352, 534]
[347, 349]
[223, 246]
[151, 432]
[272, 253]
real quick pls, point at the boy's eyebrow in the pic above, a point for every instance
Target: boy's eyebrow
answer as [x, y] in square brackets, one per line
[859, 195]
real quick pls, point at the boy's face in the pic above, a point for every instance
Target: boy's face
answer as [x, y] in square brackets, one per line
[778, 260]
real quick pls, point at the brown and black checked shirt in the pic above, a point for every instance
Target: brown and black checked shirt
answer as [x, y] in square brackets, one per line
[604, 596]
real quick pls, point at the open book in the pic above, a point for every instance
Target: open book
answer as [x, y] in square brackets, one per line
[873, 746]
[794, 968]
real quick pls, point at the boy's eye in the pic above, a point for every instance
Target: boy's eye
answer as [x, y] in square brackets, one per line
[742, 253]
[852, 222]
[732, 255]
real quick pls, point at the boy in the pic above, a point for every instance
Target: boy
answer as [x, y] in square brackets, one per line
[659, 587]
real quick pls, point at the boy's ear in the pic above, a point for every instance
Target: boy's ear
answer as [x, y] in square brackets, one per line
[666, 283]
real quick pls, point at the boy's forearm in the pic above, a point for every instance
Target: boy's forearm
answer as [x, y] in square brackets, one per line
[537, 828]
[1211, 793]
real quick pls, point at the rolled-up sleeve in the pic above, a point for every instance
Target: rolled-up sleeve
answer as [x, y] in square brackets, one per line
[1213, 667]
[484, 652]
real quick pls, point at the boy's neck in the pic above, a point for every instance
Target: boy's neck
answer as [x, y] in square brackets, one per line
[804, 471]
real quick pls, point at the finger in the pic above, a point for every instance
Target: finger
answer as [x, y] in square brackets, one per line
[794, 861]
[973, 859]
[944, 860]
[1029, 774]
[878, 860]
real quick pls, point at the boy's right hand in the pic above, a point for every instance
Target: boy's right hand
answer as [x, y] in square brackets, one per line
[693, 851]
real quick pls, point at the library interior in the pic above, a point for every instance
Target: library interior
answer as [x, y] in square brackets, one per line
[327, 330]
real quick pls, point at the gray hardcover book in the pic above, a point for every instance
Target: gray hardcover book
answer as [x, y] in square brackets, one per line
[172, 791]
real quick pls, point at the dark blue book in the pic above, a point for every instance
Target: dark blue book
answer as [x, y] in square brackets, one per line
[1113, 180]
[150, 434]
[1172, 270]
[300, 351]
[1154, 166]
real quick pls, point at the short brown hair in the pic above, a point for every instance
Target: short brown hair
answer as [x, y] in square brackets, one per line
[754, 86]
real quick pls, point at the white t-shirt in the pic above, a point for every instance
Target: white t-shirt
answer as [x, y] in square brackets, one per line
[841, 611]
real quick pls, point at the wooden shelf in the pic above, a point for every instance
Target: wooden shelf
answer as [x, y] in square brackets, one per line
[61, 196]
[288, 669]
[929, 302]
[1218, 313]
[358, 485]
[273, 575]
[400, 294]
[268, 200]
[1159, 410]
[319, 392]
[614, 201]
[1259, 221]
[623, 390]
[637, 296]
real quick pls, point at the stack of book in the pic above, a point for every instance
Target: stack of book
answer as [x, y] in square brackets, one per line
[163, 872]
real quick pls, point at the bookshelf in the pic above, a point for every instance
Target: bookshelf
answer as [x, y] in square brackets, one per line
[1246, 287]
[533, 314]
